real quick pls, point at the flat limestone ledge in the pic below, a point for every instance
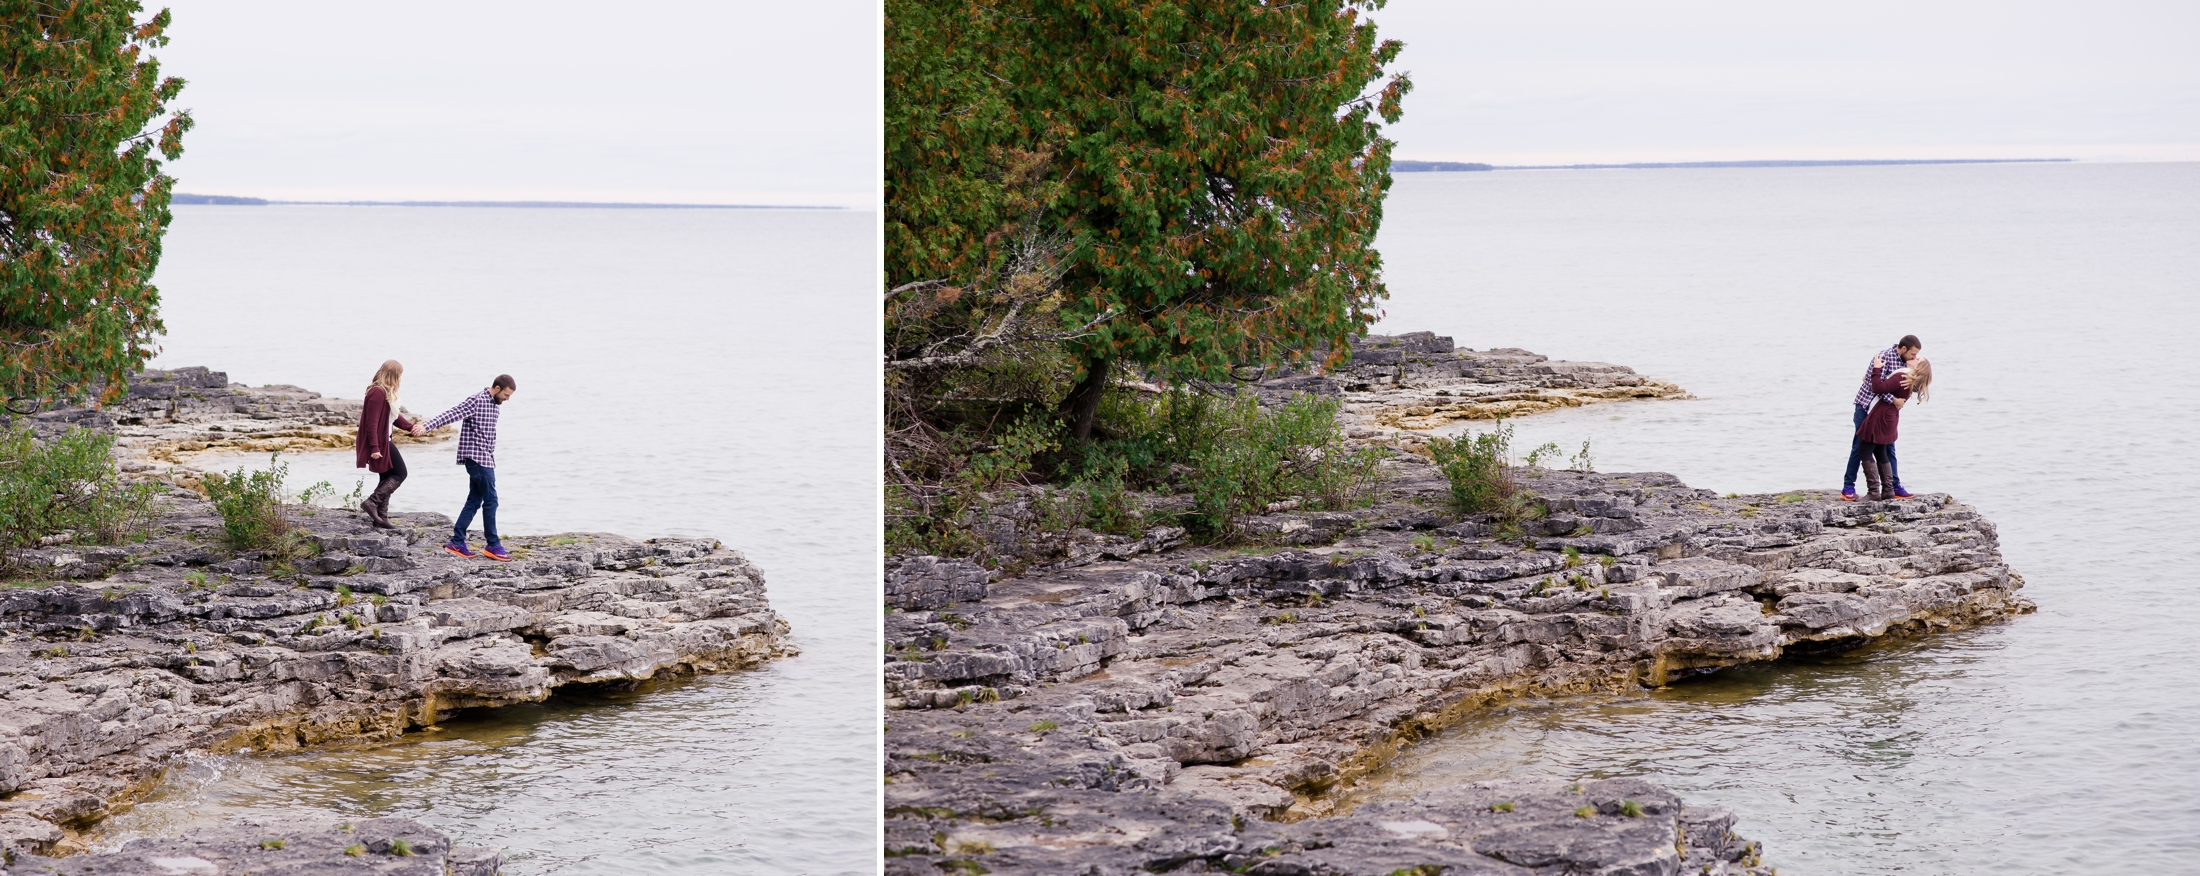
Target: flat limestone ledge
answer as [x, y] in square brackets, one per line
[1613, 827]
[1093, 704]
[167, 419]
[1397, 386]
[288, 846]
[135, 654]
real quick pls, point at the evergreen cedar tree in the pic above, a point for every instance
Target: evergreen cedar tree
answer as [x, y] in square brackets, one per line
[1215, 164]
[82, 199]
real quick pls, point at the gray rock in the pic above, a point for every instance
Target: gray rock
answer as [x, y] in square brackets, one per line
[287, 846]
[925, 583]
[1157, 712]
[138, 662]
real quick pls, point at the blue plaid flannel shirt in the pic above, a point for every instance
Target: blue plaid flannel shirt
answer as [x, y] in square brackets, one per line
[477, 435]
[1890, 361]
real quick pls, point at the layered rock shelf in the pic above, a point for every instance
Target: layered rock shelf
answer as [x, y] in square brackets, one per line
[1395, 387]
[167, 421]
[1202, 710]
[116, 660]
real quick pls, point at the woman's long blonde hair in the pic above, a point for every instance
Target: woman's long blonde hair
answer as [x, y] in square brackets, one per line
[1921, 376]
[388, 377]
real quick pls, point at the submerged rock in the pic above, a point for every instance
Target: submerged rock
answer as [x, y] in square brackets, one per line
[289, 846]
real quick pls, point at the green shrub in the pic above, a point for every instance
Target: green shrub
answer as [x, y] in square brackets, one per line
[1475, 466]
[1582, 461]
[1256, 457]
[68, 485]
[251, 505]
[1231, 455]
[936, 518]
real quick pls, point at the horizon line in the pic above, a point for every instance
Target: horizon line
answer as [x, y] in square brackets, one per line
[1416, 166]
[189, 199]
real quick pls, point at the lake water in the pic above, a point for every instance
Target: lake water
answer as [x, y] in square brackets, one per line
[681, 372]
[2058, 304]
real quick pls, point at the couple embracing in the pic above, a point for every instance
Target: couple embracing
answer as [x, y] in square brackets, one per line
[477, 451]
[1893, 377]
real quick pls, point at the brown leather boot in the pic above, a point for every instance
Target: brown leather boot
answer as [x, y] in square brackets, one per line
[1874, 488]
[377, 506]
[1886, 479]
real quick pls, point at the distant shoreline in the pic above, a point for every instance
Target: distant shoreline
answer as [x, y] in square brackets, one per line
[181, 198]
[1450, 166]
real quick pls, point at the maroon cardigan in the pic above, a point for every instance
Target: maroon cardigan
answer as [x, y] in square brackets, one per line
[1880, 425]
[373, 438]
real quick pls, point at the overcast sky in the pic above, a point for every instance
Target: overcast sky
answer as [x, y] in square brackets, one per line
[746, 102]
[691, 102]
[1594, 81]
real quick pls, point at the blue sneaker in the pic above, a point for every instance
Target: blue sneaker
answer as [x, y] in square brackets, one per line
[1848, 494]
[1901, 493]
[458, 549]
[497, 552]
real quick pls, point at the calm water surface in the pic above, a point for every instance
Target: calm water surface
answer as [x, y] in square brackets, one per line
[681, 373]
[2059, 304]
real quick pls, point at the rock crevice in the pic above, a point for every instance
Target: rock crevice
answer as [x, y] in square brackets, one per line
[114, 660]
[1199, 710]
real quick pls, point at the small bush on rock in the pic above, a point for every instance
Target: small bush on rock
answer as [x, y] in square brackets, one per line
[68, 485]
[1233, 456]
[251, 505]
[1475, 466]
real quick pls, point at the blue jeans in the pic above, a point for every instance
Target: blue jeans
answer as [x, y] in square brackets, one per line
[481, 495]
[1856, 455]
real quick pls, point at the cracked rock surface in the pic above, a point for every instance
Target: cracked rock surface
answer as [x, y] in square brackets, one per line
[1194, 710]
[114, 659]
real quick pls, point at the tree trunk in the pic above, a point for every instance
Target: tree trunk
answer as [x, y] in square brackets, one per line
[1084, 399]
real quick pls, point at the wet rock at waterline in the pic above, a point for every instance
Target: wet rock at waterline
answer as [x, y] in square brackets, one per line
[1396, 386]
[292, 847]
[166, 421]
[1207, 709]
[139, 653]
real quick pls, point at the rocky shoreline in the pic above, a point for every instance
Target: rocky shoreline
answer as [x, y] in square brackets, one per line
[1151, 707]
[114, 660]
[287, 846]
[1397, 387]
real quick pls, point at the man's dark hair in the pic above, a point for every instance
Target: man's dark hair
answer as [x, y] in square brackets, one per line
[504, 381]
[1909, 341]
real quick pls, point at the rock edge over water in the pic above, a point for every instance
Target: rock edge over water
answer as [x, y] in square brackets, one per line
[1189, 710]
[123, 658]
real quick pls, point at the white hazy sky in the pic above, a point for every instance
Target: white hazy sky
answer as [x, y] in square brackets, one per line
[1597, 81]
[686, 101]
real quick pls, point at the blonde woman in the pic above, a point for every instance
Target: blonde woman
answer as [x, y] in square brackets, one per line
[375, 451]
[1876, 435]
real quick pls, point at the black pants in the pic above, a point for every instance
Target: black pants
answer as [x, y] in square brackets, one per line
[1875, 452]
[395, 475]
